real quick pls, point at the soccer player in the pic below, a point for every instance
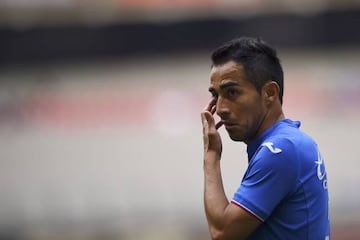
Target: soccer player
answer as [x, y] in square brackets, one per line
[283, 193]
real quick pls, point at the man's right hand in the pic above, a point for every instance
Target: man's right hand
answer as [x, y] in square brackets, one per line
[211, 137]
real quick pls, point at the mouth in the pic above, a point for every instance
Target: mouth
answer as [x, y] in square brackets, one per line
[229, 125]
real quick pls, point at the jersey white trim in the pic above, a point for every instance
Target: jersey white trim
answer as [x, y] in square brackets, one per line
[247, 210]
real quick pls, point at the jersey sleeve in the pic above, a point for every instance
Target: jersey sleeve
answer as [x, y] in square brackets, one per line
[270, 177]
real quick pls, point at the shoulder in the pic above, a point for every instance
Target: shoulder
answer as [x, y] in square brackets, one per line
[286, 146]
[289, 149]
[290, 139]
[276, 154]
[279, 152]
[278, 146]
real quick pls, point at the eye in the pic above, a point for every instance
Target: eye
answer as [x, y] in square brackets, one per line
[232, 92]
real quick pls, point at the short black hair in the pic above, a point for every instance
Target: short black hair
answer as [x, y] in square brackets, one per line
[258, 58]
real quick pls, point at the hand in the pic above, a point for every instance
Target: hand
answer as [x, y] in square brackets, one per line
[211, 137]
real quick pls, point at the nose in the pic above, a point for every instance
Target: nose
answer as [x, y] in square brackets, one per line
[222, 108]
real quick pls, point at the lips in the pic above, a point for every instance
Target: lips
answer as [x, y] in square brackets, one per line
[229, 124]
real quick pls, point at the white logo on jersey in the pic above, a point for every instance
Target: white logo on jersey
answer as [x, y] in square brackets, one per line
[269, 145]
[320, 167]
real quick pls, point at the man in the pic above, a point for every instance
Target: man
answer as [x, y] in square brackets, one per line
[283, 193]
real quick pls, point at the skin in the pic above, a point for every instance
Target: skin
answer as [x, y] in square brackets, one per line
[245, 113]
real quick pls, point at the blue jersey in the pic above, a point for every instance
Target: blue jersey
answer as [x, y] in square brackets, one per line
[285, 185]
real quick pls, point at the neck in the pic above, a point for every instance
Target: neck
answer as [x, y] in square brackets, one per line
[269, 119]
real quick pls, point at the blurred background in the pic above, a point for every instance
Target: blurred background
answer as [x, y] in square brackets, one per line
[100, 133]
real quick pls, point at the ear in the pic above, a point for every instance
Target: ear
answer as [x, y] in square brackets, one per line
[271, 92]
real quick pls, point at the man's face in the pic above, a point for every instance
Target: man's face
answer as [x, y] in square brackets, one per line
[239, 105]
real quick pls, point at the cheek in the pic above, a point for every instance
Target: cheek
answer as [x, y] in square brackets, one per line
[252, 109]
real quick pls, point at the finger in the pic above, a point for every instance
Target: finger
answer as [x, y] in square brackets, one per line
[219, 124]
[209, 106]
[213, 109]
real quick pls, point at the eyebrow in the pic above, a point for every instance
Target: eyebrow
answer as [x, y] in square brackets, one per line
[228, 84]
[224, 85]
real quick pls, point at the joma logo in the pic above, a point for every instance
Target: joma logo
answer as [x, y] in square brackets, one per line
[269, 145]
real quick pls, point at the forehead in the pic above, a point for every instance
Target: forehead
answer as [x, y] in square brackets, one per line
[230, 71]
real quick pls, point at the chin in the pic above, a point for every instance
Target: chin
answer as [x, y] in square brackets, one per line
[236, 138]
[239, 136]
